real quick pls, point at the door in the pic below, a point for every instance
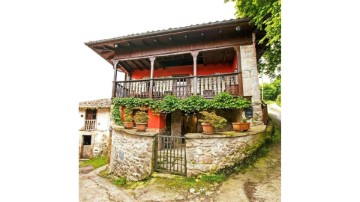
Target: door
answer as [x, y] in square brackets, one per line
[86, 150]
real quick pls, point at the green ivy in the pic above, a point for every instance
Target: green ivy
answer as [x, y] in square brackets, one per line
[171, 103]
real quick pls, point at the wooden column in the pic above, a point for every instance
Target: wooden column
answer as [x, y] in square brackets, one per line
[239, 70]
[195, 54]
[152, 60]
[115, 62]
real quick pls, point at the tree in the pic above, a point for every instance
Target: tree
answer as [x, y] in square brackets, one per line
[266, 15]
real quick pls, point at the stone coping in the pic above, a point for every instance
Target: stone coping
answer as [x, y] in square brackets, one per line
[229, 134]
[134, 132]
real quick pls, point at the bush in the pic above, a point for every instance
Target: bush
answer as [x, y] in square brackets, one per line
[215, 120]
[278, 100]
[141, 117]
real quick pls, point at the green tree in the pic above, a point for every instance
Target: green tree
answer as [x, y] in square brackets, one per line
[266, 15]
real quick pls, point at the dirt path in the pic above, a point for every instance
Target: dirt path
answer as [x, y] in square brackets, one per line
[94, 188]
[262, 182]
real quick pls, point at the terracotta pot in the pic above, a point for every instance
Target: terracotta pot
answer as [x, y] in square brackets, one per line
[128, 125]
[239, 126]
[207, 128]
[141, 127]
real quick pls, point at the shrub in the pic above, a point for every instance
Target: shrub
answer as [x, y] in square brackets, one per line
[213, 119]
[141, 117]
[278, 100]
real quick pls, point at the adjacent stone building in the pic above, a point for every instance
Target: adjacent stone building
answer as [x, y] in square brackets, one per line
[94, 122]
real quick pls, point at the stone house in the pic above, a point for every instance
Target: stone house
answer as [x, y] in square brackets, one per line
[94, 127]
[203, 59]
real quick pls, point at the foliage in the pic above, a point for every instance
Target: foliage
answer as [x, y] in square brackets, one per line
[278, 100]
[170, 103]
[213, 119]
[213, 178]
[127, 116]
[116, 115]
[141, 117]
[120, 181]
[244, 119]
[226, 101]
[266, 15]
[95, 162]
[271, 90]
[194, 103]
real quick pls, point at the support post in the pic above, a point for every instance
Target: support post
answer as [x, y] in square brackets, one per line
[239, 70]
[152, 60]
[195, 54]
[115, 62]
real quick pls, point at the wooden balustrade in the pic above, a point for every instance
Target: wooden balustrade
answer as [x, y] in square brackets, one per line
[90, 124]
[207, 86]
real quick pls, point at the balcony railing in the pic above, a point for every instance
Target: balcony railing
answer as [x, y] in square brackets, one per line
[206, 86]
[90, 124]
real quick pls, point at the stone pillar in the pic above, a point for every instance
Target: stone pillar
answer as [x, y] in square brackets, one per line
[195, 54]
[251, 79]
[152, 60]
[115, 62]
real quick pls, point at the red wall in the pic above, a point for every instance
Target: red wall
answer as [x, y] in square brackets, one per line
[201, 70]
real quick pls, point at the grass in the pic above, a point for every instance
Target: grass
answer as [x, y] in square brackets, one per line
[95, 162]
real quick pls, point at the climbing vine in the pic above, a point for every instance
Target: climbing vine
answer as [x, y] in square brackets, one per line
[171, 103]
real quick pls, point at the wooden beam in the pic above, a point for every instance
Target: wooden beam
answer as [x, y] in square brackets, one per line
[125, 66]
[137, 66]
[147, 65]
[184, 48]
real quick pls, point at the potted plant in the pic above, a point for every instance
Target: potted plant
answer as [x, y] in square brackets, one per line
[141, 119]
[210, 121]
[128, 120]
[241, 126]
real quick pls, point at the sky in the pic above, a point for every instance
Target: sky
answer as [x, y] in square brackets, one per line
[128, 17]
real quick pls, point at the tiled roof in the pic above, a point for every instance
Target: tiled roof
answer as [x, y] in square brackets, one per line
[100, 103]
[169, 30]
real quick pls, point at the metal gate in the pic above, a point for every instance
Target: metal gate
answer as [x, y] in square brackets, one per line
[170, 154]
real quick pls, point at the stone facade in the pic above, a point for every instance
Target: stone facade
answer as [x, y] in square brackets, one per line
[100, 136]
[132, 153]
[209, 153]
[250, 80]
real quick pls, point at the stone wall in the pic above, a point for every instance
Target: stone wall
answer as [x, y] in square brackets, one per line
[251, 80]
[209, 153]
[132, 153]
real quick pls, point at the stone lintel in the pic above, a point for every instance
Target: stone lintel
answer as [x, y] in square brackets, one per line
[231, 134]
[133, 131]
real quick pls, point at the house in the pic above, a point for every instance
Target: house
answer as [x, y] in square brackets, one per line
[204, 60]
[94, 128]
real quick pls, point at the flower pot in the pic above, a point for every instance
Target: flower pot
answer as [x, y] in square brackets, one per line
[141, 127]
[239, 126]
[128, 125]
[207, 128]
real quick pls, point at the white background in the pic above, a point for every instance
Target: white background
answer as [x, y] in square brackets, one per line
[46, 70]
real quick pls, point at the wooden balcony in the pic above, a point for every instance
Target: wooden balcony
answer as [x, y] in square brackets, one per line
[182, 87]
[90, 124]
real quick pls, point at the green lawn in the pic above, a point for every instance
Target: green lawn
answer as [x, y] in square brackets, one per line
[94, 162]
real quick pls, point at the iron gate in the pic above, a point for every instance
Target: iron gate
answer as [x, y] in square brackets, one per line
[170, 154]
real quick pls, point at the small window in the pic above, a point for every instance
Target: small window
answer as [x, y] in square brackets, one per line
[87, 140]
[90, 114]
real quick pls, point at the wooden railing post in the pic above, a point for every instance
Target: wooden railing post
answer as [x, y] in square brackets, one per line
[115, 62]
[239, 70]
[152, 60]
[195, 54]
